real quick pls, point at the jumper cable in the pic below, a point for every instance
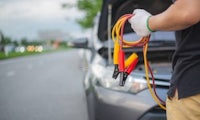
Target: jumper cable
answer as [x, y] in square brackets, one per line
[125, 67]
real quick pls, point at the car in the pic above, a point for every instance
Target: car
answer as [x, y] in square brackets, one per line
[106, 99]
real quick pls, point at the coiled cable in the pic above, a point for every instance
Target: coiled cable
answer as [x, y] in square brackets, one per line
[117, 37]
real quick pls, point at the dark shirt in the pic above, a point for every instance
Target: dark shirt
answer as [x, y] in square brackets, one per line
[186, 63]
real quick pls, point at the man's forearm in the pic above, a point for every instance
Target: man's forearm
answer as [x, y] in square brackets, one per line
[180, 15]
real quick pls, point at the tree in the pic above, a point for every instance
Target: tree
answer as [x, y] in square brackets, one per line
[91, 8]
[1, 37]
[15, 42]
[24, 42]
[6, 40]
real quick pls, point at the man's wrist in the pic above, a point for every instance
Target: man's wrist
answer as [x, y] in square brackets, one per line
[147, 24]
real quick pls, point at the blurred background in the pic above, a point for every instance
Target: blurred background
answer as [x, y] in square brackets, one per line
[44, 85]
[32, 23]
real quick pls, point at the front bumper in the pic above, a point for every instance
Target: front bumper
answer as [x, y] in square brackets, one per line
[113, 105]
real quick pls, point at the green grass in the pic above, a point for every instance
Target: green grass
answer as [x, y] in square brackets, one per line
[18, 54]
[15, 54]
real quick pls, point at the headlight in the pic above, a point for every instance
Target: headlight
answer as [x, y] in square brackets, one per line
[134, 84]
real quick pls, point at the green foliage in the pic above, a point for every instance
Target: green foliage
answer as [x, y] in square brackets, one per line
[26, 53]
[63, 44]
[6, 40]
[15, 54]
[24, 41]
[91, 8]
[15, 42]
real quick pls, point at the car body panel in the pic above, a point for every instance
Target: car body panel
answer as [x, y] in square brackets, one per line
[106, 100]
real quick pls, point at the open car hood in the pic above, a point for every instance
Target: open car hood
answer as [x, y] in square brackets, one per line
[121, 7]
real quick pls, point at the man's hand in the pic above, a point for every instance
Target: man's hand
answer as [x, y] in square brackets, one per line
[139, 22]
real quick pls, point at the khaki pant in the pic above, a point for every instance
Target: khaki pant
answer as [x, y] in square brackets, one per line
[183, 109]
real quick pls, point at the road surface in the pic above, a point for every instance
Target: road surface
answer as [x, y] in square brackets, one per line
[42, 87]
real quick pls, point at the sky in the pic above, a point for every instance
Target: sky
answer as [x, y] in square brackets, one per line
[25, 18]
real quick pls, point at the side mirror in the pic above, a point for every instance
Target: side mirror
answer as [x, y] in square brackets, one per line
[78, 43]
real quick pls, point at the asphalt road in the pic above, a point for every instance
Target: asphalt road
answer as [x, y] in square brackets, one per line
[42, 87]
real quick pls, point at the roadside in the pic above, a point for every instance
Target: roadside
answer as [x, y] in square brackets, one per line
[19, 54]
[43, 87]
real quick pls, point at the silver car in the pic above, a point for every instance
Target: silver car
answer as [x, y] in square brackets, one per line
[106, 99]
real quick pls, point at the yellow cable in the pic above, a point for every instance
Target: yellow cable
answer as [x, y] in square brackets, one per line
[147, 78]
[116, 37]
